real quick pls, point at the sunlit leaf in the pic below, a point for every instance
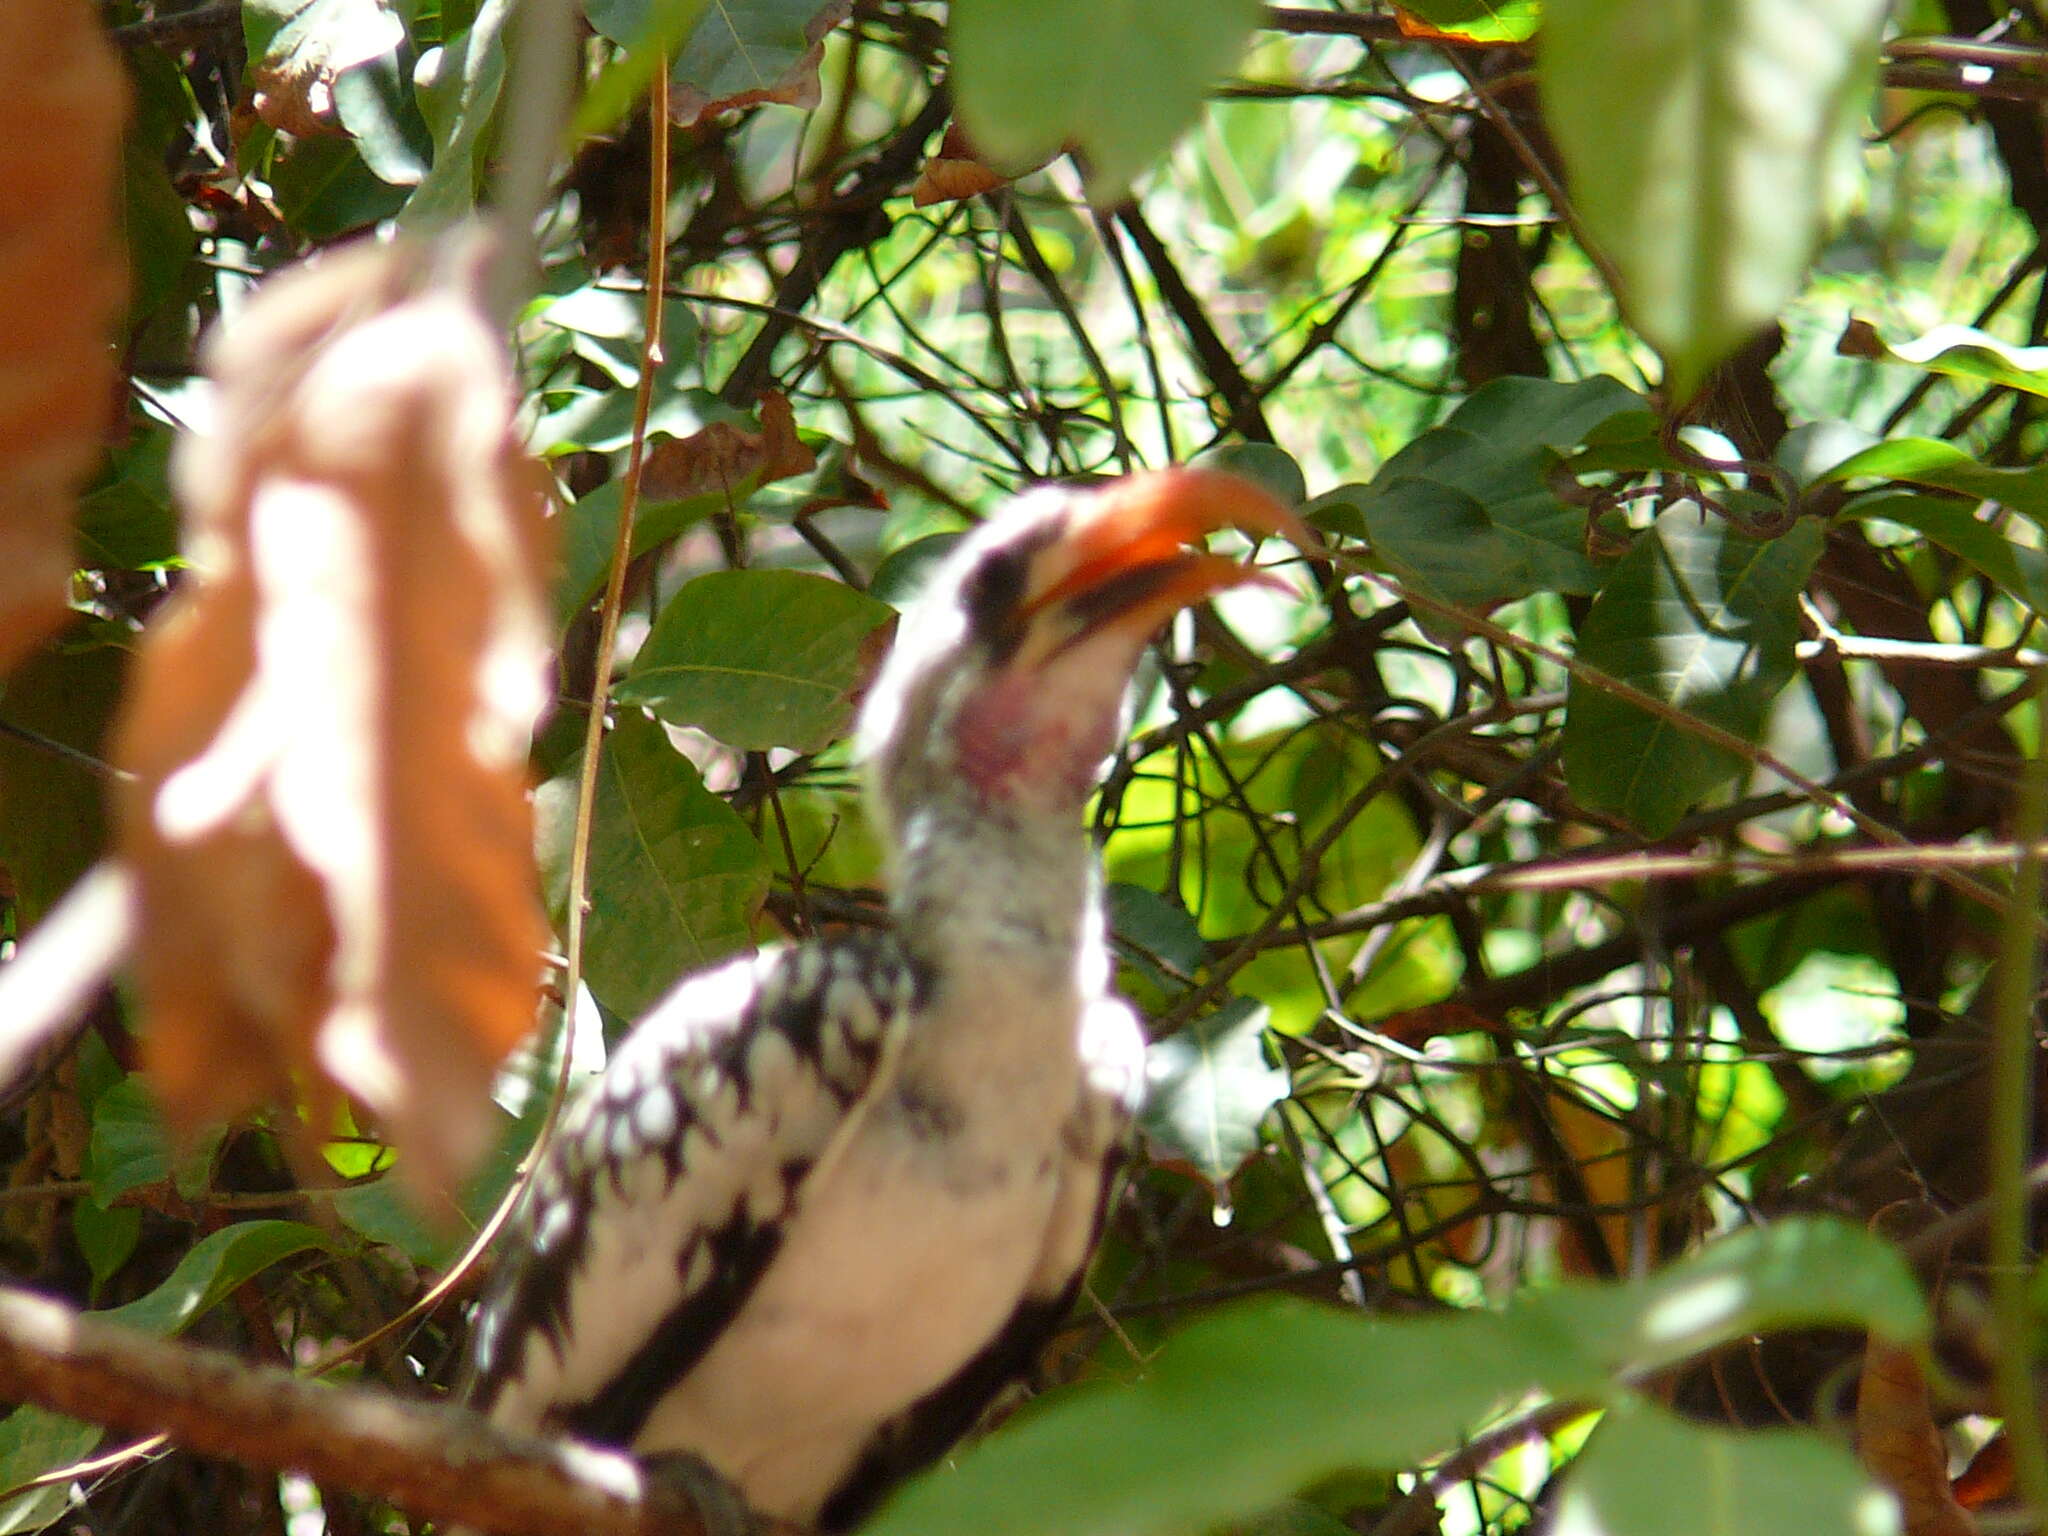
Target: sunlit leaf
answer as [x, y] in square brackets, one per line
[1118, 83]
[1706, 140]
[1704, 620]
[1194, 1442]
[1208, 1086]
[1960, 351]
[1649, 1473]
[675, 876]
[757, 658]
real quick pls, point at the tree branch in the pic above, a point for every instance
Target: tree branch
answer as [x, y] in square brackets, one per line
[431, 1459]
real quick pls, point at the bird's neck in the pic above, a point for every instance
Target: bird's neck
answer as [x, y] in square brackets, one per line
[983, 891]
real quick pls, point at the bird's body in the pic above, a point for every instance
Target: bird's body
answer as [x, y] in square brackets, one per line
[826, 1201]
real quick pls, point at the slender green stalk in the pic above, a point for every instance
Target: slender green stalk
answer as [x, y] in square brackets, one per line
[2012, 1134]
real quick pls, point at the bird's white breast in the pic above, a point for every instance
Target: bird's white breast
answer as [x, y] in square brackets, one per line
[908, 1252]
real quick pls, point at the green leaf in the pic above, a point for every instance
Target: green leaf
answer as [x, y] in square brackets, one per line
[1258, 1401]
[1465, 513]
[129, 1149]
[675, 876]
[52, 810]
[1157, 928]
[458, 86]
[382, 1211]
[1116, 82]
[2018, 570]
[105, 1237]
[324, 189]
[1964, 352]
[758, 658]
[1647, 1472]
[1264, 465]
[35, 1441]
[127, 521]
[622, 82]
[1944, 466]
[1207, 1089]
[214, 1266]
[1788, 1274]
[1237, 1412]
[1704, 139]
[1485, 21]
[736, 56]
[1705, 620]
[590, 525]
[375, 103]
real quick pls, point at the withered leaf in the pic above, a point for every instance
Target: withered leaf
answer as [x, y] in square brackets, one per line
[329, 725]
[62, 100]
[728, 458]
[1900, 1446]
[958, 171]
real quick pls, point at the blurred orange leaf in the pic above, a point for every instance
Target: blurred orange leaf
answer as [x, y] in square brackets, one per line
[329, 726]
[62, 100]
[1896, 1437]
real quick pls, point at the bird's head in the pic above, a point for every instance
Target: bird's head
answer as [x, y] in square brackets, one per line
[1007, 678]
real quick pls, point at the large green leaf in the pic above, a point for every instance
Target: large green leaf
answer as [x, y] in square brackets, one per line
[1647, 1472]
[675, 876]
[663, 25]
[758, 658]
[1704, 139]
[34, 1441]
[736, 56]
[2019, 570]
[1704, 620]
[1260, 1400]
[214, 1266]
[1932, 462]
[1207, 1089]
[1117, 82]
[1465, 512]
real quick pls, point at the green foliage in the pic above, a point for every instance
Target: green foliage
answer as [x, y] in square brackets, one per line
[1702, 620]
[1117, 83]
[758, 658]
[1472, 982]
[1694, 168]
[1193, 1443]
[675, 876]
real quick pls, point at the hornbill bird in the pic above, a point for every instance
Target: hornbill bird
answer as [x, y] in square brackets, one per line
[826, 1201]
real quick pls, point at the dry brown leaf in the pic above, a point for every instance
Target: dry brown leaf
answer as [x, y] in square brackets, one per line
[958, 171]
[62, 99]
[1899, 1444]
[292, 86]
[722, 456]
[329, 726]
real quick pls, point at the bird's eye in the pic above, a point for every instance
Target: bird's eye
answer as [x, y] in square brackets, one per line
[993, 590]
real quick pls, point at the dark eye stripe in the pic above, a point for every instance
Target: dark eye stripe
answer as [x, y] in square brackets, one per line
[995, 586]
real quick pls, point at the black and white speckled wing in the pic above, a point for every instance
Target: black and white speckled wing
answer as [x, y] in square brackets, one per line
[664, 1195]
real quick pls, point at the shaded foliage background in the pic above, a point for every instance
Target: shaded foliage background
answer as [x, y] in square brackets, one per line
[1467, 974]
